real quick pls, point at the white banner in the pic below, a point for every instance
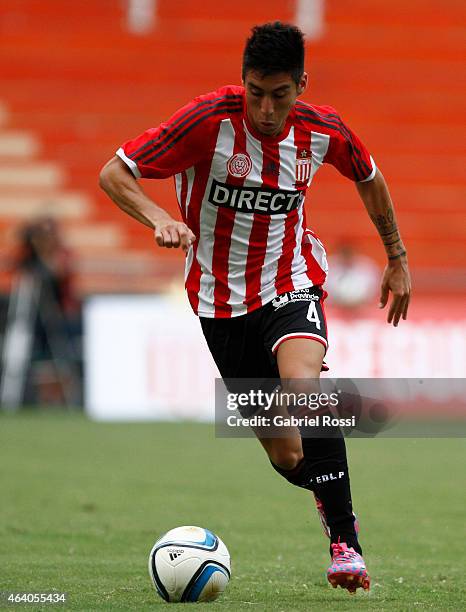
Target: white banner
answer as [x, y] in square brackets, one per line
[146, 357]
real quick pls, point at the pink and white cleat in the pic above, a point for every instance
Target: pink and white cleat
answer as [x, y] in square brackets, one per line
[348, 569]
[323, 518]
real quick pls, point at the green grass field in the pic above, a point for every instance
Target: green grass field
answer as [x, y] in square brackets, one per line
[82, 504]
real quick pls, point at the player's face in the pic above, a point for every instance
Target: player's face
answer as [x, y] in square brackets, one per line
[269, 100]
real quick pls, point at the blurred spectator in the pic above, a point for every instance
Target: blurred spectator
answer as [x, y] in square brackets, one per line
[353, 279]
[43, 253]
[53, 363]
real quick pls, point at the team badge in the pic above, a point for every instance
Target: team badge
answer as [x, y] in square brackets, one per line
[303, 167]
[239, 165]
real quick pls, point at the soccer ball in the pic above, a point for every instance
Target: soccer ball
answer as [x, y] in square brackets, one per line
[189, 564]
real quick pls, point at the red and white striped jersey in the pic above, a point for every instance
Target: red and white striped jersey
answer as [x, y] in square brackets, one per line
[242, 194]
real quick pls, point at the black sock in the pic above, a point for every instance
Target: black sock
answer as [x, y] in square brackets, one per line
[327, 474]
[297, 476]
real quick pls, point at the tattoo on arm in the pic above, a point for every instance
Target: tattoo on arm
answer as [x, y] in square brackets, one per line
[397, 256]
[388, 231]
[385, 223]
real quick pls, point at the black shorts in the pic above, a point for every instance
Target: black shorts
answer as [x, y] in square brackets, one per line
[246, 346]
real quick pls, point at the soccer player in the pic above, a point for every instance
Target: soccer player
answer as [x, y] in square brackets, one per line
[242, 158]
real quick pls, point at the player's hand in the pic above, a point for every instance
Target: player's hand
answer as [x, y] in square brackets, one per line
[396, 279]
[173, 234]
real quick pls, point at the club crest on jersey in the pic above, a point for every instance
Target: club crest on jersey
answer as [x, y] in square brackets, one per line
[303, 167]
[239, 165]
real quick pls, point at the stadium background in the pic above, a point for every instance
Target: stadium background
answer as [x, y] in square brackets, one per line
[75, 83]
[76, 80]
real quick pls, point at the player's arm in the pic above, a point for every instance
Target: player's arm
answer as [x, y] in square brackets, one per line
[349, 155]
[117, 180]
[376, 197]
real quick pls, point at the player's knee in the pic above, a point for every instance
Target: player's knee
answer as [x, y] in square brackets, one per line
[300, 373]
[285, 458]
[304, 381]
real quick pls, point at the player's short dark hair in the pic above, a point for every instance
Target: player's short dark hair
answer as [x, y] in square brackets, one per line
[273, 48]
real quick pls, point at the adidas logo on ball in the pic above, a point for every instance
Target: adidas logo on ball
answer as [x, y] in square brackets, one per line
[175, 553]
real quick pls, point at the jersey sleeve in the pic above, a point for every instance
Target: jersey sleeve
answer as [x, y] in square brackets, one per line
[174, 145]
[348, 154]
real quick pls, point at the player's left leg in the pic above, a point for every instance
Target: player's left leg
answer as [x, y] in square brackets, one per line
[299, 362]
[295, 332]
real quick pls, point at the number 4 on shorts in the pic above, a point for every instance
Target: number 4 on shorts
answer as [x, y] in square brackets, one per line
[313, 315]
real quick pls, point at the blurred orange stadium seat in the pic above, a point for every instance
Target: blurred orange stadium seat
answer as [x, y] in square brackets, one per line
[76, 84]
